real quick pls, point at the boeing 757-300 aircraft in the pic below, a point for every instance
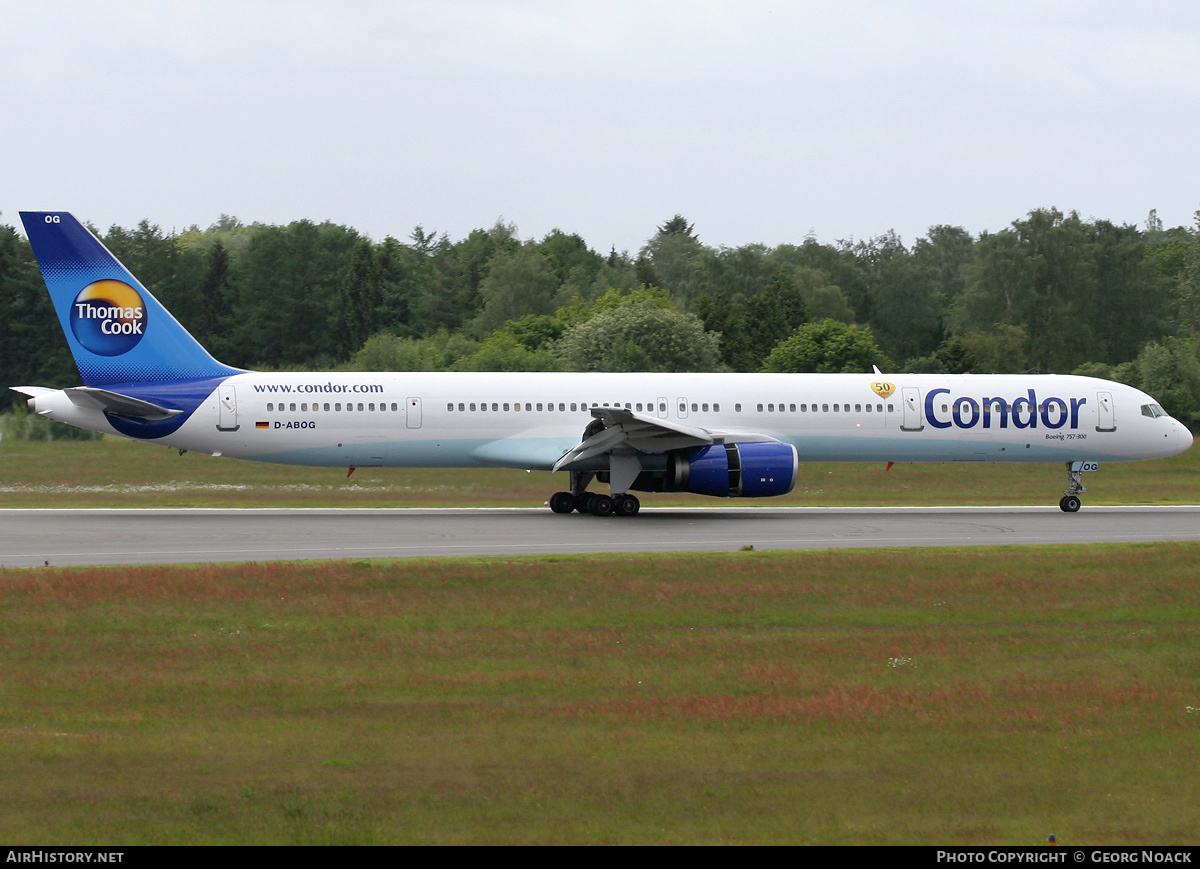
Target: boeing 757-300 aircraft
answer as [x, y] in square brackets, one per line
[727, 435]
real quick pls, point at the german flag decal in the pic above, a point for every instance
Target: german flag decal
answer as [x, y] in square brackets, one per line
[262, 425]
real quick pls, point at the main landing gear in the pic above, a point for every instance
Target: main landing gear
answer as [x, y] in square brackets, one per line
[595, 503]
[580, 499]
[1070, 501]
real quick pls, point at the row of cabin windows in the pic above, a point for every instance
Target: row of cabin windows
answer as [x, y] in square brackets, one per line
[336, 407]
[824, 408]
[649, 406]
[562, 406]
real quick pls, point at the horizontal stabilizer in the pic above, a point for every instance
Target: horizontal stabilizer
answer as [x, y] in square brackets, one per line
[114, 402]
[32, 391]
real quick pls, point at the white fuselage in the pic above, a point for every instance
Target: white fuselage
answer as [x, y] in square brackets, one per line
[530, 420]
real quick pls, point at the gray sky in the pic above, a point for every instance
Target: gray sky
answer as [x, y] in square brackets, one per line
[759, 121]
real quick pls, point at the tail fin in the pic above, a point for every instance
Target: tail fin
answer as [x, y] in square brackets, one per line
[117, 331]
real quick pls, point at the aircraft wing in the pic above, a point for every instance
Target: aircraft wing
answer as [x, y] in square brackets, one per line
[625, 433]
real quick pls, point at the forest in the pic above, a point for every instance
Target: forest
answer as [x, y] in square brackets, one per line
[1050, 293]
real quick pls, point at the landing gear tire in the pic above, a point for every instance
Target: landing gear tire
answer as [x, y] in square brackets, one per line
[1069, 504]
[626, 505]
[601, 505]
[562, 502]
[583, 502]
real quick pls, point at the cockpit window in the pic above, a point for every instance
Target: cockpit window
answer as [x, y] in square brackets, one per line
[1153, 411]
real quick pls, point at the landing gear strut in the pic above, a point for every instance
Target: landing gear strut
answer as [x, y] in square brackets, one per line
[1070, 501]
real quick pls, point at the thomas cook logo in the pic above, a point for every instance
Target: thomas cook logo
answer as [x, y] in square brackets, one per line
[108, 318]
[883, 390]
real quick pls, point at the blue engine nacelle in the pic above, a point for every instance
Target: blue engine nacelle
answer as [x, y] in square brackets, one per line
[752, 470]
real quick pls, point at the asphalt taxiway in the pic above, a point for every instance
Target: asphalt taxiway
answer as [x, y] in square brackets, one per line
[33, 537]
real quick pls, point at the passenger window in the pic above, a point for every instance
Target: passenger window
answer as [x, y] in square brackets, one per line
[716, 408]
[370, 407]
[292, 406]
[327, 407]
[770, 408]
[271, 407]
[858, 408]
[760, 407]
[472, 407]
[825, 408]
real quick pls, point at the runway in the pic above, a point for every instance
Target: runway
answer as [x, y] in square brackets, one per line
[32, 538]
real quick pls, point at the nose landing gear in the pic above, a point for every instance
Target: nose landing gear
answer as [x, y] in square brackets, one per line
[1070, 502]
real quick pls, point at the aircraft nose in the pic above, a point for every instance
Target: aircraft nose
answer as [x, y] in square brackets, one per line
[1183, 437]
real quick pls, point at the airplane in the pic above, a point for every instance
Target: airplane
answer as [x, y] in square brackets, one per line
[724, 435]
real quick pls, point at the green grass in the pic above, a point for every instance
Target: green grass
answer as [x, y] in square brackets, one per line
[114, 472]
[976, 696]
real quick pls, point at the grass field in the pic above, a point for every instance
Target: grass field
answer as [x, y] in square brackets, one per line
[981, 696]
[114, 472]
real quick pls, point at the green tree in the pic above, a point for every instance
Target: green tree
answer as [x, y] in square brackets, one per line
[287, 295]
[518, 282]
[640, 336]
[502, 352]
[1185, 286]
[447, 294]
[387, 352]
[770, 316]
[828, 347]
[214, 293]
[678, 261]
[904, 302]
[1169, 370]
[360, 298]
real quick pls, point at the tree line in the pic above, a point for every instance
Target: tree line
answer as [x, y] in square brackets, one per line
[1051, 292]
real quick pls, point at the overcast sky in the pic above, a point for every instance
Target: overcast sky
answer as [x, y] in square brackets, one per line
[758, 121]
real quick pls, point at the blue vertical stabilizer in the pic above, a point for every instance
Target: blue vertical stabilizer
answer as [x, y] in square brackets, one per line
[118, 332]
